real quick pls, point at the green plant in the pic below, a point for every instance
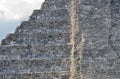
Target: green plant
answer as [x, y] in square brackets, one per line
[50, 36]
[13, 39]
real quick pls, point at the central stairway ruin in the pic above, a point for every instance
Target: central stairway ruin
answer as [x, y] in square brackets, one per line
[40, 47]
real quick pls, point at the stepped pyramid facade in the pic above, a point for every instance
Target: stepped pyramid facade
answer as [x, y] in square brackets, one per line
[65, 39]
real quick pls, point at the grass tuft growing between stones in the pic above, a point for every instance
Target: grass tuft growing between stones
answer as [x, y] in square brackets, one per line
[50, 36]
[13, 39]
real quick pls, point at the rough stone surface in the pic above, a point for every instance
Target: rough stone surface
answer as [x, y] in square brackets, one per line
[65, 39]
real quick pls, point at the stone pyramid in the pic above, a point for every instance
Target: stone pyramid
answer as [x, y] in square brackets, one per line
[65, 39]
[39, 47]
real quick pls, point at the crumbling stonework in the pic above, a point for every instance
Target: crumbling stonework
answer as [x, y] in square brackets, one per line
[65, 39]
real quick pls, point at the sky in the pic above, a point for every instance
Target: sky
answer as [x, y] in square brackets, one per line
[13, 12]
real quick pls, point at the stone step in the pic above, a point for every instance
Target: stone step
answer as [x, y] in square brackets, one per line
[51, 51]
[28, 27]
[45, 19]
[57, 1]
[33, 29]
[34, 65]
[48, 24]
[9, 52]
[38, 14]
[56, 4]
[37, 39]
[40, 75]
[54, 21]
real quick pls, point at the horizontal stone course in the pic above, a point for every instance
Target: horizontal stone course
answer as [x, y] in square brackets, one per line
[34, 65]
[33, 24]
[47, 75]
[37, 39]
[25, 51]
[42, 30]
[50, 19]
[50, 13]
[33, 27]
[56, 23]
[56, 4]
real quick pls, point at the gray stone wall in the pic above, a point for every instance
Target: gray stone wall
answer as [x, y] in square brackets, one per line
[98, 21]
[39, 48]
[65, 39]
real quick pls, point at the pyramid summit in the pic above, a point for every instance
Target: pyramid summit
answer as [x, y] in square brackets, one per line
[65, 39]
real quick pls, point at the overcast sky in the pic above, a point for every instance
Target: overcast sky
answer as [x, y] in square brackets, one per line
[12, 12]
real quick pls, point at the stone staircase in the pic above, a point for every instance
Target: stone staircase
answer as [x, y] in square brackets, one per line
[39, 48]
